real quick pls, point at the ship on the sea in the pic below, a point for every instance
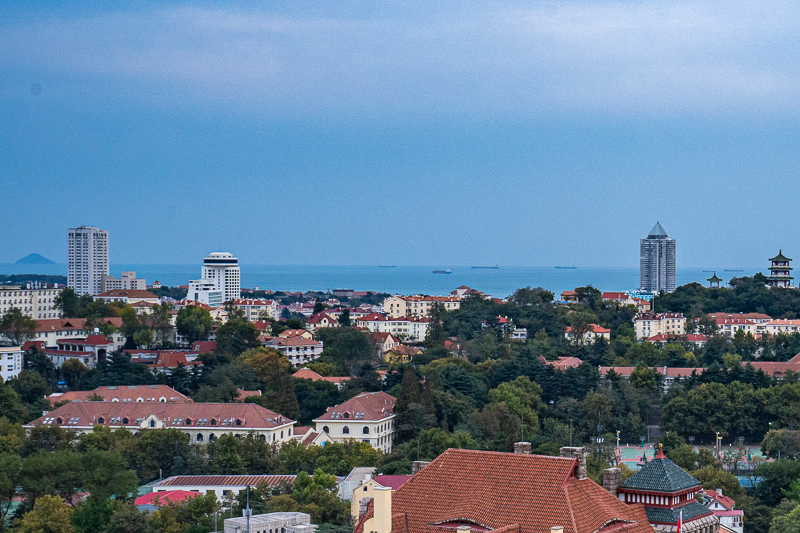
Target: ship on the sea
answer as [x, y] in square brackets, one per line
[573, 267]
[448, 271]
[492, 267]
[387, 266]
[734, 270]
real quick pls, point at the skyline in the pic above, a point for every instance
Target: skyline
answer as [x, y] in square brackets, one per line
[339, 133]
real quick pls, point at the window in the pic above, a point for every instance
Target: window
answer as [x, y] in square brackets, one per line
[125, 421]
[213, 422]
[211, 437]
[365, 431]
[188, 421]
[347, 415]
[346, 430]
[238, 422]
[101, 420]
[199, 437]
[326, 429]
[152, 423]
[59, 421]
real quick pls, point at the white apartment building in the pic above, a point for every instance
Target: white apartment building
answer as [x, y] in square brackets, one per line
[254, 309]
[128, 281]
[399, 306]
[652, 324]
[368, 417]
[407, 328]
[223, 270]
[37, 303]
[87, 259]
[10, 362]
[205, 291]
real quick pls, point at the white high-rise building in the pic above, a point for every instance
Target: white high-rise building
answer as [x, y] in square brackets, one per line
[222, 269]
[88, 259]
[205, 291]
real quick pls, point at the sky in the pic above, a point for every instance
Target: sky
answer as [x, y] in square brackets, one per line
[350, 132]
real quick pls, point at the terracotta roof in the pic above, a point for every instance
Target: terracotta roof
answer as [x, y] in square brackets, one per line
[393, 482]
[614, 296]
[165, 497]
[204, 346]
[131, 393]
[746, 316]
[726, 501]
[121, 293]
[594, 327]
[664, 371]
[242, 394]
[678, 338]
[252, 480]
[294, 341]
[463, 487]
[162, 359]
[292, 333]
[301, 430]
[365, 406]
[562, 363]
[64, 324]
[773, 368]
[659, 316]
[317, 319]
[244, 301]
[307, 373]
[404, 349]
[175, 415]
[373, 317]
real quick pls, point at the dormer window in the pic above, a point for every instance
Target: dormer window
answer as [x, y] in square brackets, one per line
[213, 422]
[101, 420]
[238, 422]
[188, 421]
[125, 421]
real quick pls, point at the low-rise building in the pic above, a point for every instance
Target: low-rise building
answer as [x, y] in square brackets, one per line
[321, 320]
[164, 360]
[368, 417]
[692, 338]
[283, 522]
[383, 342]
[123, 394]
[205, 291]
[203, 422]
[562, 363]
[89, 351]
[127, 281]
[418, 306]
[128, 296]
[50, 331]
[257, 309]
[153, 500]
[37, 303]
[650, 324]
[592, 333]
[669, 375]
[407, 328]
[307, 373]
[402, 354]
[298, 350]
[723, 507]
[223, 487]
[11, 359]
[365, 492]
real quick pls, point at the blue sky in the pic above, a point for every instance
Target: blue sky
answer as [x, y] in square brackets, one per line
[528, 133]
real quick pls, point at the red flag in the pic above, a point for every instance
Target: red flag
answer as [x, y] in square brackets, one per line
[680, 521]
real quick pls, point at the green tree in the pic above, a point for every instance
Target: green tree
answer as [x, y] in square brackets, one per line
[10, 404]
[10, 476]
[128, 519]
[237, 336]
[274, 371]
[105, 475]
[17, 327]
[49, 515]
[68, 302]
[225, 458]
[344, 318]
[645, 378]
[435, 335]
[193, 324]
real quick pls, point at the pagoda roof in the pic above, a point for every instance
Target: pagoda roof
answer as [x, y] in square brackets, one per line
[658, 231]
[714, 278]
[658, 515]
[660, 475]
[780, 257]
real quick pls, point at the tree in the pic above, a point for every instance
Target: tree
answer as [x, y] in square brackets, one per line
[193, 324]
[10, 475]
[435, 335]
[128, 519]
[236, 336]
[344, 318]
[645, 378]
[17, 327]
[68, 302]
[49, 515]
[275, 372]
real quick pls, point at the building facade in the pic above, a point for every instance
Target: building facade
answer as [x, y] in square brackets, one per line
[657, 261]
[10, 362]
[37, 303]
[780, 273]
[418, 306]
[368, 417]
[87, 258]
[205, 291]
[127, 281]
[652, 324]
[223, 270]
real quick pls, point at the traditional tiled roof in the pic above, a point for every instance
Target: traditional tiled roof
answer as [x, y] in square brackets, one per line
[393, 482]
[175, 415]
[165, 497]
[507, 492]
[319, 317]
[123, 393]
[594, 328]
[661, 475]
[773, 368]
[659, 515]
[204, 346]
[659, 316]
[725, 501]
[222, 481]
[65, 324]
[615, 296]
[293, 341]
[780, 257]
[307, 373]
[366, 406]
[125, 293]
[693, 337]
[163, 360]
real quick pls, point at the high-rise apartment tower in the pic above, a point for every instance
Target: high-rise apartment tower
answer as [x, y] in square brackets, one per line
[657, 261]
[87, 259]
[223, 270]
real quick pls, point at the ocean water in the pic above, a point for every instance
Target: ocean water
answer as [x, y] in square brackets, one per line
[405, 279]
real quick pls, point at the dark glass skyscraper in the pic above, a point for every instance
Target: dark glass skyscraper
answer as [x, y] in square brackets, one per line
[657, 261]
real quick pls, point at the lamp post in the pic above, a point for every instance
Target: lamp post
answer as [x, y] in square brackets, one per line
[691, 441]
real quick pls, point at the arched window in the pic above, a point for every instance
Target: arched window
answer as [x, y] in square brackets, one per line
[101, 420]
[238, 436]
[281, 435]
[326, 429]
[346, 415]
[263, 437]
[152, 423]
[188, 421]
[346, 430]
[365, 431]
[238, 422]
[211, 437]
[125, 421]
[213, 422]
[139, 400]
[199, 437]
[162, 400]
[59, 421]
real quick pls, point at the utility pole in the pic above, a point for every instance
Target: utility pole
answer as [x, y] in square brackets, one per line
[247, 511]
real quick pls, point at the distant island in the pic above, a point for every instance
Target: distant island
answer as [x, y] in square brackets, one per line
[35, 259]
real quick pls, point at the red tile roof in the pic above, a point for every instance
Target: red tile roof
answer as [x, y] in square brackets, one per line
[594, 328]
[726, 501]
[165, 497]
[204, 346]
[507, 492]
[121, 293]
[234, 481]
[393, 482]
[174, 415]
[294, 341]
[130, 393]
[307, 373]
[66, 324]
[614, 296]
[163, 360]
[365, 406]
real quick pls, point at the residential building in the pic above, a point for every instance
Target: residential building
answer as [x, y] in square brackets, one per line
[123, 394]
[298, 350]
[153, 500]
[464, 291]
[773, 327]
[592, 333]
[693, 338]
[562, 363]
[307, 373]
[650, 324]
[368, 417]
[321, 320]
[623, 298]
[128, 281]
[382, 343]
[657, 261]
[406, 328]
[255, 310]
[357, 477]
[205, 291]
[402, 354]
[365, 492]
[304, 333]
[723, 507]
[128, 296]
[418, 306]
[668, 494]
[308, 436]
[51, 330]
[470, 491]
[10, 362]
[221, 486]
[203, 422]
[164, 360]
[223, 269]
[89, 351]
[669, 375]
[519, 334]
[780, 273]
[87, 259]
[284, 522]
[36, 303]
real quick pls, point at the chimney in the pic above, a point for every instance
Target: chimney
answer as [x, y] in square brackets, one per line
[719, 491]
[382, 522]
[578, 453]
[612, 477]
[417, 466]
[522, 448]
[463, 529]
[557, 529]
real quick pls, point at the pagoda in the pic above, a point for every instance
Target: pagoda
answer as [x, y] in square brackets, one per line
[779, 271]
[713, 281]
[667, 492]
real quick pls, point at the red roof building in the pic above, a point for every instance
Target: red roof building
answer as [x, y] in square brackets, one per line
[307, 373]
[368, 417]
[152, 501]
[123, 393]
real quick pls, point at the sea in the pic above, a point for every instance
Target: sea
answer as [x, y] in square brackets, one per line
[406, 279]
